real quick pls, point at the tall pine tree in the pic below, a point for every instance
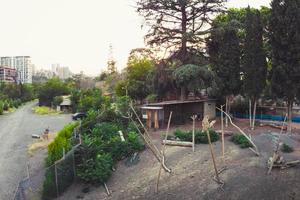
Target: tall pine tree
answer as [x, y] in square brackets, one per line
[285, 41]
[224, 51]
[254, 60]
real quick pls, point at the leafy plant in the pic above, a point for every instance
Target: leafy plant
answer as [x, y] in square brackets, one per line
[96, 170]
[61, 141]
[240, 140]
[287, 148]
[200, 136]
[1, 107]
[135, 142]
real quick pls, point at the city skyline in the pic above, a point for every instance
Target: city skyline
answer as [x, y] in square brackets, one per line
[76, 33]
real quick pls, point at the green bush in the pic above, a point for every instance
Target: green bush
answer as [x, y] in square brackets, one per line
[96, 170]
[183, 135]
[286, 148]
[61, 141]
[1, 107]
[49, 186]
[5, 106]
[135, 142]
[200, 136]
[240, 140]
[105, 130]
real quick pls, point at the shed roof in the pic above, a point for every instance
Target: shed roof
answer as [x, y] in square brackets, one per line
[179, 102]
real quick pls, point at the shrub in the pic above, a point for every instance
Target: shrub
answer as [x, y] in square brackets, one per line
[105, 130]
[200, 136]
[61, 141]
[96, 170]
[286, 148]
[183, 135]
[5, 105]
[1, 107]
[240, 140]
[135, 142]
[49, 186]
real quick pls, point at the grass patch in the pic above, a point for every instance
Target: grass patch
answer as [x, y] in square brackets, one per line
[43, 110]
[40, 143]
[240, 140]
[286, 148]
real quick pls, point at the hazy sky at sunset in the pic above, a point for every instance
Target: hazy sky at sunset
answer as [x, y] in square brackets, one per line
[75, 33]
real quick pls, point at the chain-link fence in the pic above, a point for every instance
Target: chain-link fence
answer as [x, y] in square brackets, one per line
[51, 182]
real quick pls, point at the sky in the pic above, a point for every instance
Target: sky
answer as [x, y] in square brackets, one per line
[76, 33]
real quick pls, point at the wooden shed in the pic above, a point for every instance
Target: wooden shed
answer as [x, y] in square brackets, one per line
[182, 111]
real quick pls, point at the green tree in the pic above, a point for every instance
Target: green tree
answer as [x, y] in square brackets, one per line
[50, 89]
[254, 60]
[177, 25]
[192, 78]
[224, 51]
[58, 100]
[285, 42]
[139, 81]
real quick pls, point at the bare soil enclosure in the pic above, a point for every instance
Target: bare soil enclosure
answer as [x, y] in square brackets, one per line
[192, 174]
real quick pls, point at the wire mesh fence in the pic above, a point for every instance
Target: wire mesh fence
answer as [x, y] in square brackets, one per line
[51, 182]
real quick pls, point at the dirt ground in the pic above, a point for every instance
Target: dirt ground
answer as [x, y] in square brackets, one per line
[245, 176]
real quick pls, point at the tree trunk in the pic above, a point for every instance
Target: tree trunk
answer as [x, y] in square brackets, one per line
[182, 93]
[254, 113]
[290, 107]
[184, 30]
[250, 111]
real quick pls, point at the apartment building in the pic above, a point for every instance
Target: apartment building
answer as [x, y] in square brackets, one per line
[8, 75]
[22, 64]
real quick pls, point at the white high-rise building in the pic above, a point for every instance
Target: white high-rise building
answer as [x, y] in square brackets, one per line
[6, 62]
[60, 71]
[23, 66]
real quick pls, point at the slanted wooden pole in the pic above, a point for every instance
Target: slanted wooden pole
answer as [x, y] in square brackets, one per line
[222, 129]
[212, 156]
[243, 133]
[194, 117]
[163, 152]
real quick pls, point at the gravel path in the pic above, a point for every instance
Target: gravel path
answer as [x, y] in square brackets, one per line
[15, 134]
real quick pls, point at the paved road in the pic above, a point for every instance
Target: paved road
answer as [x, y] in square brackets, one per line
[15, 134]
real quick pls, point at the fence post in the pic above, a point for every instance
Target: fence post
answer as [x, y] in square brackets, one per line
[56, 181]
[74, 169]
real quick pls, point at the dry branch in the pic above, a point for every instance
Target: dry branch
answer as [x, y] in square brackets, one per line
[177, 143]
[163, 151]
[241, 131]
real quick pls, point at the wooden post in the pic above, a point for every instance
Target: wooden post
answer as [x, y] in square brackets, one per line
[149, 118]
[213, 156]
[156, 126]
[194, 119]
[222, 129]
[163, 152]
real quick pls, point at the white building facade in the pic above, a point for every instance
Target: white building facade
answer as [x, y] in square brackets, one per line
[23, 66]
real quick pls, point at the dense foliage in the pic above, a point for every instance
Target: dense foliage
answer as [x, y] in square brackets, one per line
[177, 24]
[285, 43]
[48, 91]
[200, 136]
[240, 140]
[62, 142]
[12, 95]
